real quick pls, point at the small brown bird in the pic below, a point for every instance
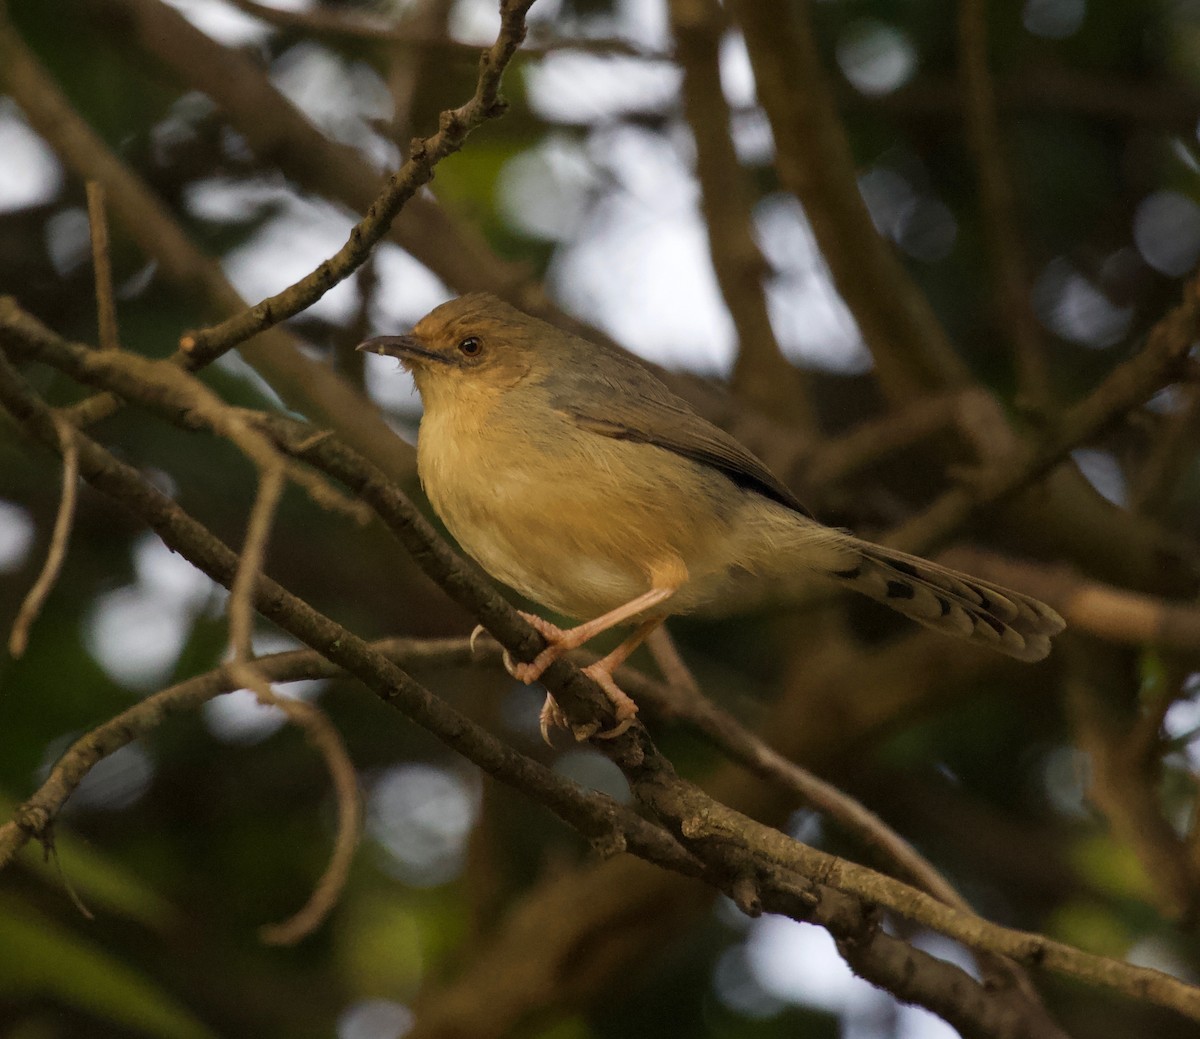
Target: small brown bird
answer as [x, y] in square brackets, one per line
[572, 474]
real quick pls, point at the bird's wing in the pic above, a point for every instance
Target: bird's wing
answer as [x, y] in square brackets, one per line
[637, 406]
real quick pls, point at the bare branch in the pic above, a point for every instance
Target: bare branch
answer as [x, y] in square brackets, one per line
[1159, 363]
[304, 384]
[18, 639]
[34, 817]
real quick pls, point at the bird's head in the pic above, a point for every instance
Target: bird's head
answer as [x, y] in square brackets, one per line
[466, 348]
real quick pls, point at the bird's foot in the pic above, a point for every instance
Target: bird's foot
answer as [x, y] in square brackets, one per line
[559, 644]
[625, 710]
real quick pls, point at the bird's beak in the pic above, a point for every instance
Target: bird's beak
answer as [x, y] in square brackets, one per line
[407, 348]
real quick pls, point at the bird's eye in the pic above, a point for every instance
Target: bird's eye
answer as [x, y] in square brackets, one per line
[470, 347]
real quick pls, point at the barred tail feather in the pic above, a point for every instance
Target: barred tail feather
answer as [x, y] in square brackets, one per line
[950, 601]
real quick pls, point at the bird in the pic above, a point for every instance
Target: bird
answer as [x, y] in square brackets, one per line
[570, 472]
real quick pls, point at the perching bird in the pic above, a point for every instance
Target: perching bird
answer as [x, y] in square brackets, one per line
[571, 473]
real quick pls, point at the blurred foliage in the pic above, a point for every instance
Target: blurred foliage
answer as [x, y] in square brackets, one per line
[183, 846]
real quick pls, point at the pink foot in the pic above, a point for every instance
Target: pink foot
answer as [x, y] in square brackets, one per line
[554, 635]
[552, 716]
[624, 710]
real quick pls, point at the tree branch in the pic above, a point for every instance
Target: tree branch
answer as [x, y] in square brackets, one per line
[34, 817]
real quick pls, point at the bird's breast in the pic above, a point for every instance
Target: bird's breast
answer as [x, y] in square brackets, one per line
[577, 522]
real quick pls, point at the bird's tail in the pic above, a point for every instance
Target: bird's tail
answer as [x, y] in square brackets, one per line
[950, 601]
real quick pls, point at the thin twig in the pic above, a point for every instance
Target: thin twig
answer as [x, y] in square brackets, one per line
[18, 640]
[250, 564]
[100, 405]
[106, 307]
[316, 726]
[205, 345]
[325, 738]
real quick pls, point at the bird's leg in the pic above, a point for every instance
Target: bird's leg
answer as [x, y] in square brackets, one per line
[601, 673]
[561, 641]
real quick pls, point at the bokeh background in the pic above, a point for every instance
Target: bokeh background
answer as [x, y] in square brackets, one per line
[182, 845]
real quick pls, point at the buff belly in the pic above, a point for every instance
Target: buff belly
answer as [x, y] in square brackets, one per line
[582, 548]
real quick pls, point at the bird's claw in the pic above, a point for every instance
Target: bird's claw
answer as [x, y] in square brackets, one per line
[617, 730]
[625, 711]
[550, 717]
[554, 717]
[478, 630]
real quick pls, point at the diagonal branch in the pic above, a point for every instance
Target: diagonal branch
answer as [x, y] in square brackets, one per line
[1160, 362]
